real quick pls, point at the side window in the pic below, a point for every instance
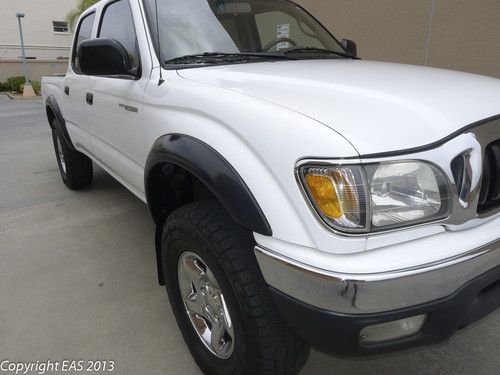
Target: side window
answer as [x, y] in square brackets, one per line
[117, 23]
[83, 32]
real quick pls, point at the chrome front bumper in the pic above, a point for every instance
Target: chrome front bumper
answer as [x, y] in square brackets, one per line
[380, 292]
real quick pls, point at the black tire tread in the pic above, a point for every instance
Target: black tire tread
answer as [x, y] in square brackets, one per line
[276, 349]
[79, 168]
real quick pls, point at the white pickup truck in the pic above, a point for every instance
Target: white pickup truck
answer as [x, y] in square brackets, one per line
[302, 196]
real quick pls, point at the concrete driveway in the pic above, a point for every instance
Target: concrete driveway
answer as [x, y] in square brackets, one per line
[77, 276]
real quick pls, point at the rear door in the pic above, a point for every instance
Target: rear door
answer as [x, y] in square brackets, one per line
[74, 88]
[114, 113]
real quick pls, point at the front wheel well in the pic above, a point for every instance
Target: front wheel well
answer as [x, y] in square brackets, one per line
[181, 169]
[170, 187]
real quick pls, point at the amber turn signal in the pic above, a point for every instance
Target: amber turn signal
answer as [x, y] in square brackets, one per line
[324, 194]
[338, 195]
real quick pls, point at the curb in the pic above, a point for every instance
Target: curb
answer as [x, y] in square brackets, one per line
[13, 97]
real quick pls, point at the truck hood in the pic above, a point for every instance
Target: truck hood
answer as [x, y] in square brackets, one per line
[378, 107]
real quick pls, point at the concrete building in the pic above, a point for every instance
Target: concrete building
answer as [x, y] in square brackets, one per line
[46, 36]
[46, 33]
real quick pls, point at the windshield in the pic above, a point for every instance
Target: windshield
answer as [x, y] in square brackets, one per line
[193, 27]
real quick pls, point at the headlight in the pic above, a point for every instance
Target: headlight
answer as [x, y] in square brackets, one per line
[338, 195]
[353, 198]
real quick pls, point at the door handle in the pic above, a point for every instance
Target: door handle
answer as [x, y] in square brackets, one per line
[89, 98]
[66, 90]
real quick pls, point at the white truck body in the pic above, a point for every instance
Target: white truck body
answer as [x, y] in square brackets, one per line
[267, 117]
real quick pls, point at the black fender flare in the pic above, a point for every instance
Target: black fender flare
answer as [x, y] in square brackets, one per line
[173, 151]
[213, 170]
[60, 125]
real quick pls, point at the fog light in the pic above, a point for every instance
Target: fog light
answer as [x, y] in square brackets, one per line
[394, 330]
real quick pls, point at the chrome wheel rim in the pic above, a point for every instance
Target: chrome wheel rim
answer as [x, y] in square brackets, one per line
[61, 155]
[205, 305]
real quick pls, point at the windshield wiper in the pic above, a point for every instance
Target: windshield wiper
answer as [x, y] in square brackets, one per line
[314, 50]
[216, 57]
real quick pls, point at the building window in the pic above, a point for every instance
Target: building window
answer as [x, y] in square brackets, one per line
[60, 26]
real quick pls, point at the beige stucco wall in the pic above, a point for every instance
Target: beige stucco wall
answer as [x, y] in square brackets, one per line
[455, 34]
[37, 68]
[39, 36]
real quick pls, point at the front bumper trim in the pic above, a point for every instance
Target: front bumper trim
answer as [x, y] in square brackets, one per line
[379, 292]
[342, 334]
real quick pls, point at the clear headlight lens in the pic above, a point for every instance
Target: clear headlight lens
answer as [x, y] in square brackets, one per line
[377, 196]
[407, 192]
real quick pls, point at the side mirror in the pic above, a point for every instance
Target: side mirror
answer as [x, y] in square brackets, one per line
[350, 47]
[103, 57]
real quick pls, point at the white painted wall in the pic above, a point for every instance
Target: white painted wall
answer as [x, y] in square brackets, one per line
[39, 36]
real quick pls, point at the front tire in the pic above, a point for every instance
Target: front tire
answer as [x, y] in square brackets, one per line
[75, 168]
[218, 295]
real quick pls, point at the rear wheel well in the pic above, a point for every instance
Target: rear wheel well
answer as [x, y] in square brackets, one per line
[50, 115]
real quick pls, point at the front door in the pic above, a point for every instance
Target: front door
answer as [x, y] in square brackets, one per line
[114, 104]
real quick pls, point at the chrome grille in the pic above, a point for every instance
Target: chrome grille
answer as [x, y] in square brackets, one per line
[489, 196]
